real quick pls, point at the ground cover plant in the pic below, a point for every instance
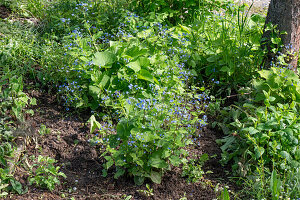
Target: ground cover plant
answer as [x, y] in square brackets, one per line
[147, 81]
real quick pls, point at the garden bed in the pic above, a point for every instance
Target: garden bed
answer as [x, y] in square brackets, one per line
[68, 143]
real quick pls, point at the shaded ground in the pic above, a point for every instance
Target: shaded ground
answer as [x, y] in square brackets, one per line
[67, 143]
[4, 12]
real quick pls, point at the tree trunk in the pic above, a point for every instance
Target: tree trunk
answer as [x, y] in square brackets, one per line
[286, 14]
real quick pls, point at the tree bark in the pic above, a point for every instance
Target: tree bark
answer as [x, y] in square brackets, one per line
[286, 15]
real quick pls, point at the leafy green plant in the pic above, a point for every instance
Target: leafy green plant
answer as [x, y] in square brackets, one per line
[44, 130]
[275, 185]
[265, 132]
[12, 97]
[174, 10]
[224, 194]
[44, 174]
[148, 192]
[219, 59]
[280, 84]
[193, 169]
[145, 143]
[268, 132]
[9, 184]
[2, 188]
[128, 77]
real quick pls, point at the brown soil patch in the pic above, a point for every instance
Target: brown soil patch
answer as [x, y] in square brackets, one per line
[4, 12]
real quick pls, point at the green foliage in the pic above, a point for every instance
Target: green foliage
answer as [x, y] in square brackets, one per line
[224, 48]
[7, 180]
[9, 184]
[193, 169]
[265, 131]
[27, 8]
[175, 10]
[13, 103]
[142, 76]
[12, 98]
[148, 192]
[44, 174]
[146, 143]
[279, 85]
[224, 195]
[44, 130]
[125, 75]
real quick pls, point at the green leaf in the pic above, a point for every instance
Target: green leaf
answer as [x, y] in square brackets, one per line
[17, 186]
[104, 172]
[31, 112]
[119, 173]
[33, 101]
[123, 129]
[109, 162]
[135, 66]
[251, 130]
[213, 58]
[265, 73]
[139, 180]
[146, 75]
[94, 124]
[135, 52]
[228, 141]
[104, 58]
[156, 161]
[286, 156]
[94, 90]
[105, 79]
[175, 160]
[276, 40]
[225, 69]
[138, 64]
[225, 195]
[297, 155]
[275, 185]
[155, 177]
[259, 151]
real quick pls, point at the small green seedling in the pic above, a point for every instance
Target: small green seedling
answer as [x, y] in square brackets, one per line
[148, 192]
[44, 130]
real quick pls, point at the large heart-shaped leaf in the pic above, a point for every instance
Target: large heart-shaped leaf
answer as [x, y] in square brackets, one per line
[156, 162]
[155, 177]
[104, 58]
[138, 64]
[146, 75]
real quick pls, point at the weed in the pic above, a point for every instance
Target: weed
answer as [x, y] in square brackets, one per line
[148, 192]
[44, 174]
[193, 169]
[44, 130]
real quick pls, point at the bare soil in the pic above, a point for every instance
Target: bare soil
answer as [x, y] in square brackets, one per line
[4, 12]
